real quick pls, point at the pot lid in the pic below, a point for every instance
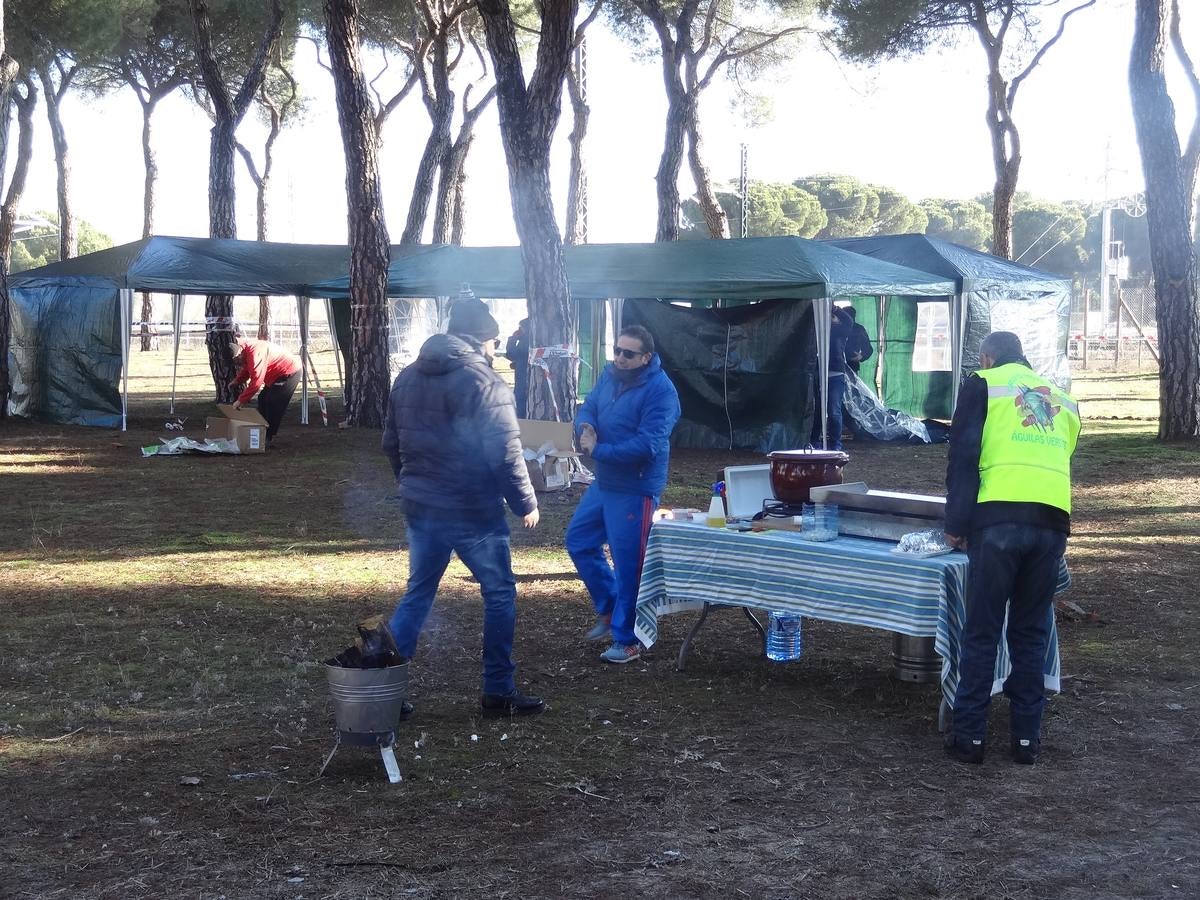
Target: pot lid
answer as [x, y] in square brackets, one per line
[811, 454]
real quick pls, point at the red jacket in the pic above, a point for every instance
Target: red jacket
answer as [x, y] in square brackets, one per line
[263, 364]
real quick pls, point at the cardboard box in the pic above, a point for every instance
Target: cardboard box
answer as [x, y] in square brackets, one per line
[244, 426]
[548, 449]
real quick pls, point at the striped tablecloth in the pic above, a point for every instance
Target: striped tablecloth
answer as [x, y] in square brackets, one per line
[854, 580]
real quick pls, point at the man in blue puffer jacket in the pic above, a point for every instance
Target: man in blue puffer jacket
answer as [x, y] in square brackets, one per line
[625, 425]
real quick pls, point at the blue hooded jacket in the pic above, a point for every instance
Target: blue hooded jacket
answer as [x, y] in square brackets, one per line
[633, 423]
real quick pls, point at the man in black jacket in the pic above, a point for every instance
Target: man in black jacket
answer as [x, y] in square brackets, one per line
[517, 351]
[452, 438]
[840, 326]
[858, 345]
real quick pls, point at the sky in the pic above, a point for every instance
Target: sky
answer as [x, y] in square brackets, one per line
[916, 125]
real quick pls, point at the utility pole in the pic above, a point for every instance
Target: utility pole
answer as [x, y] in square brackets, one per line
[744, 193]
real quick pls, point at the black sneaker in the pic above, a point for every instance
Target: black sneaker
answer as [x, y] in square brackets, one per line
[406, 711]
[1025, 751]
[513, 703]
[964, 751]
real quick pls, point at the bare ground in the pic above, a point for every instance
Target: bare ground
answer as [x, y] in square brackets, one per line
[163, 710]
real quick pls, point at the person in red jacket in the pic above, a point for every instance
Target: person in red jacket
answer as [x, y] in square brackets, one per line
[269, 371]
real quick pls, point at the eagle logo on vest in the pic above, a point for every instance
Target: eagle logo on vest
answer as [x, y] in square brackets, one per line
[1037, 406]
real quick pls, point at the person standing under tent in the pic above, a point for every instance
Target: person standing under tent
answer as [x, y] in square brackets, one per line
[271, 372]
[840, 326]
[625, 425]
[451, 436]
[858, 345]
[517, 351]
[1008, 504]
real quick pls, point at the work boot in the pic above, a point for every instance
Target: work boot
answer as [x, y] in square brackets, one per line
[1025, 750]
[964, 750]
[514, 703]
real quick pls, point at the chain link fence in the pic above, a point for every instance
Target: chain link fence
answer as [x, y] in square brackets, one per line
[1123, 337]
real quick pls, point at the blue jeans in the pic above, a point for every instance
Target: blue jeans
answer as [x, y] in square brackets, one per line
[833, 413]
[623, 522]
[1018, 562]
[482, 543]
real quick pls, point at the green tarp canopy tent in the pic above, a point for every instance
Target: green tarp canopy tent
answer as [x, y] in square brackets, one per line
[990, 294]
[788, 268]
[72, 320]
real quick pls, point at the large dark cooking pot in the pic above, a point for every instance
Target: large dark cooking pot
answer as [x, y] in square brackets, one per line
[793, 472]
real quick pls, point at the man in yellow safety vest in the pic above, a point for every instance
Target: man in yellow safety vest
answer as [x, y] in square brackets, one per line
[1008, 505]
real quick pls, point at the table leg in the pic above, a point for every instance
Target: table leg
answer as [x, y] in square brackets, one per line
[687, 641]
[944, 714]
[762, 632]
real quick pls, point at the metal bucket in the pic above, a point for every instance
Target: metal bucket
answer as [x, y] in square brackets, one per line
[367, 700]
[915, 659]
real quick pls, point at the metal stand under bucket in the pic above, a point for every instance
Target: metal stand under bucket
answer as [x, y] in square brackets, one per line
[366, 707]
[914, 659]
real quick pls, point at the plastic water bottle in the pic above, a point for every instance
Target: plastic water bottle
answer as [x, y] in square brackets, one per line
[784, 642]
[716, 507]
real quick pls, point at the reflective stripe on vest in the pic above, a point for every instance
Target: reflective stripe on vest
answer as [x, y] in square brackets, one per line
[1028, 438]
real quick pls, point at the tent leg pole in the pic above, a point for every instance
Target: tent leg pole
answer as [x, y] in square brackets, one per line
[823, 320]
[960, 338]
[333, 342]
[302, 315]
[125, 299]
[177, 315]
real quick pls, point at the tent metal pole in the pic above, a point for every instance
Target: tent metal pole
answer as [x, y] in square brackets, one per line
[177, 317]
[958, 321]
[333, 342]
[302, 315]
[822, 319]
[125, 301]
[880, 341]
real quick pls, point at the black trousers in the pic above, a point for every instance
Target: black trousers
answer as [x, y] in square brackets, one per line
[273, 401]
[1013, 567]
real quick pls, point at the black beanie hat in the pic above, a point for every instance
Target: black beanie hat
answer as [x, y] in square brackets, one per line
[471, 317]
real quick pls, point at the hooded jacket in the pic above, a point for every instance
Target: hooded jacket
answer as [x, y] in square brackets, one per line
[633, 423]
[451, 433]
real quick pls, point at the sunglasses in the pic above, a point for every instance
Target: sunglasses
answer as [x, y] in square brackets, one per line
[628, 354]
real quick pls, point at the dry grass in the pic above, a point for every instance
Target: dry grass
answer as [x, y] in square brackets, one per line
[166, 619]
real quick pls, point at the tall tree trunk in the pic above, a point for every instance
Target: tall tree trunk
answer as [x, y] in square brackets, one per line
[369, 243]
[151, 180]
[261, 213]
[669, 164]
[714, 216]
[8, 74]
[222, 223]
[1172, 254]
[68, 230]
[528, 116]
[452, 177]
[1006, 158]
[439, 102]
[25, 103]
[577, 199]
[8, 218]
[458, 217]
